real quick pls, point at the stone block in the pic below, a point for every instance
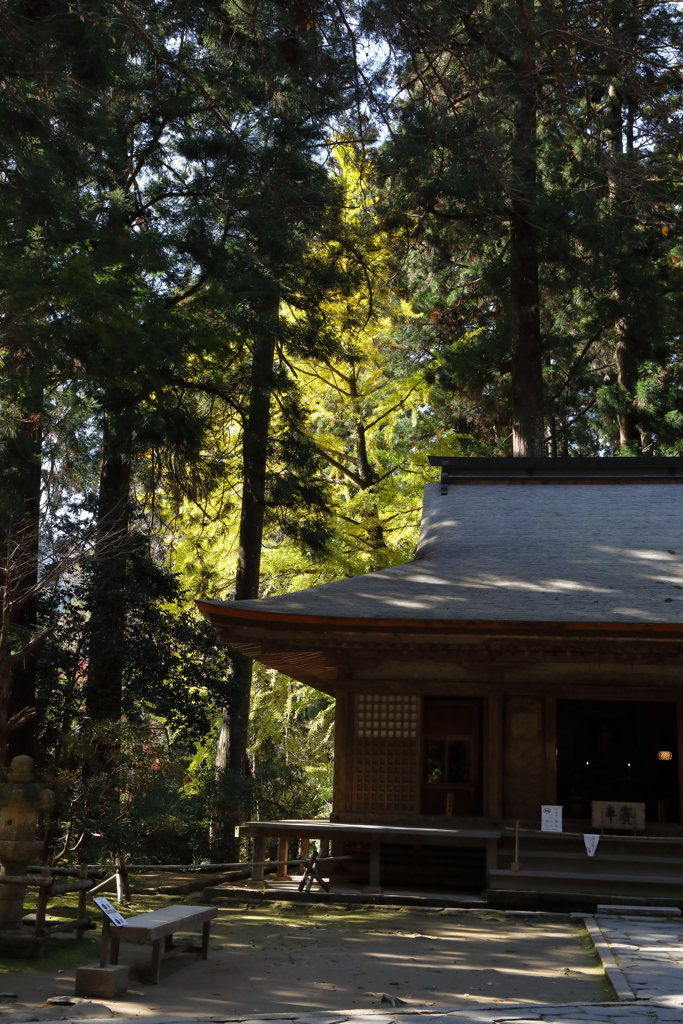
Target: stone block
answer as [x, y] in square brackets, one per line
[628, 910]
[564, 902]
[103, 982]
[513, 899]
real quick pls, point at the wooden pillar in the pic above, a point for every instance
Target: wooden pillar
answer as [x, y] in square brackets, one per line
[206, 936]
[104, 948]
[282, 854]
[679, 724]
[156, 961]
[257, 873]
[305, 851]
[324, 847]
[82, 901]
[41, 914]
[494, 757]
[418, 754]
[374, 874]
[491, 859]
[344, 752]
[550, 750]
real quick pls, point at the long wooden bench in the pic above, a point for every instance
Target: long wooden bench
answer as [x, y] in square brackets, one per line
[155, 926]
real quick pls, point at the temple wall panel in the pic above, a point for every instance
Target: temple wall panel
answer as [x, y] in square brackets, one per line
[381, 746]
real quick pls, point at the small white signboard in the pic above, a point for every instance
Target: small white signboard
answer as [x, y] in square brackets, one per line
[111, 912]
[591, 843]
[551, 818]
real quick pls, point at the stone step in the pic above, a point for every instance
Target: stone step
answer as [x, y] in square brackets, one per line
[625, 909]
[601, 876]
[578, 860]
[574, 903]
[599, 883]
[623, 846]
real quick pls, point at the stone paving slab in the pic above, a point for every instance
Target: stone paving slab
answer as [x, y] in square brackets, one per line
[568, 1013]
[649, 955]
[586, 1013]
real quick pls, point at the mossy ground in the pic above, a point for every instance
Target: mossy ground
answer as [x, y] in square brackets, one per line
[62, 950]
[278, 956]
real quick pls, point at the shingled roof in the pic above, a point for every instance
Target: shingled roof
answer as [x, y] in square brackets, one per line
[556, 553]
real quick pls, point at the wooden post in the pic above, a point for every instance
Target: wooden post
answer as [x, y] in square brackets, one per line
[493, 736]
[104, 951]
[41, 908]
[206, 934]
[516, 866]
[680, 759]
[41, 913]
[123, 868]
[491, 859]
[257, 873]
[550, 748]
[156, 961]
[374, 872]
[305, 851]
[119, 880]
[324, 847]
[344, 752]
[283, 855]
[82, 901]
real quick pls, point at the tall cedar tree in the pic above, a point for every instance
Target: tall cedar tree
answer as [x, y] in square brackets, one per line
[500, 176]
[98, 271]
[52, 64]
[262, 165]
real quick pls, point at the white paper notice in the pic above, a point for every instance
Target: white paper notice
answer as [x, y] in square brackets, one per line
[111, 912]
[591, 843]
[551, 818]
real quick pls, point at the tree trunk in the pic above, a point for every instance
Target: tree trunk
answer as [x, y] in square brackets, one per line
[234, 736]
[366, 474]
[23, 453]
[624, 342]
[527, 366]
[627, 379]
[108, 597]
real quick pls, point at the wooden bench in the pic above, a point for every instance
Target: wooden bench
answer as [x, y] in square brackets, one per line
[155, 926]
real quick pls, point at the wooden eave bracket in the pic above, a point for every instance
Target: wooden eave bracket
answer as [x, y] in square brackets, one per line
[313, 667]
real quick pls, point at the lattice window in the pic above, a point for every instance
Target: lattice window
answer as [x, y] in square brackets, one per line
[386, 753]
[382, 717]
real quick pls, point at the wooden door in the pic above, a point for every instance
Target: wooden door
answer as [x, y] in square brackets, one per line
[525, 757]
[451, 757]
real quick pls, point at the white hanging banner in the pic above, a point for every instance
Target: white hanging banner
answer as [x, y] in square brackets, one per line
[551, 817]
[591, 843]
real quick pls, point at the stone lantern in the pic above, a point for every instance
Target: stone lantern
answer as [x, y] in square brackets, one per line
[21, 800]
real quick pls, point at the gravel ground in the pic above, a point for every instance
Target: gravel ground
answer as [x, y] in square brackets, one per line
[287, 957]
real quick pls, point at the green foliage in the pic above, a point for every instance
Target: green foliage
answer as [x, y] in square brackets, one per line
[180, 182]
[604, 203]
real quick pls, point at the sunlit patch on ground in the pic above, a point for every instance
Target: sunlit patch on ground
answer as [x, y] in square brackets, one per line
[277, 957]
